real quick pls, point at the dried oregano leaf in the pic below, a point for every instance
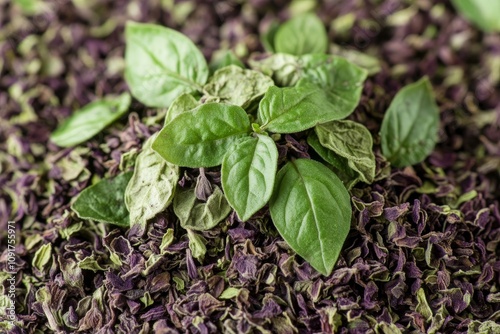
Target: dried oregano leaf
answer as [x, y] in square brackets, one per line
[151, 187]
[234, 85]
[351, 141]
[196, 215]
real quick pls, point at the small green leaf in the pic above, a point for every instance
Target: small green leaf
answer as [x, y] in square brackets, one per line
[294, 109]
[185, 102]
[248, 173]
[90, 120]
[161, 64]
[351, 141]
[301, 35]
[284, 69]
[104, 201]
[229, 293]
[196, 215]
[422, 306]
[197, 245]
[483, 13]
[151, 187]
[341, 80]
[338, 164]
[42, 256]
[311, 209]
[410, 126]
[201, 137]
[234, 85]
[223, 58]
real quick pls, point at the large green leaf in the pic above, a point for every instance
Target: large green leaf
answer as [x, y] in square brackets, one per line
[201, 137]
[410, 126]
[104, 201]
[248, 173]
[196, 215]
[161, 64]
[341, 80]
[311, 209]
[301, 35]
[294, 109]
[351, 141]
[483, 13]
[234, 85]
[88, 121]
[151, 187]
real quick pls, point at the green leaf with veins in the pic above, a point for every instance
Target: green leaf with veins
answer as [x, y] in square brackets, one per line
[104, 201]
[234, 85]
[284, 69]
[161, 64]
[294, 109]
[311, 210]
[341, 80]
[201, 138]
[196, 215]
[90, 120]
[248, 173]
[338, 164]
[351, 141]
[152, 186]
[410, 126]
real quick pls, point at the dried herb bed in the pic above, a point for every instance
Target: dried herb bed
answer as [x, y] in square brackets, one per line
[422, 254]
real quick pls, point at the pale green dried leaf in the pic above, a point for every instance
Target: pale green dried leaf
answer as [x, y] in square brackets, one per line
[238, 86]
[351, 141]
[196, 215]
[152, 186]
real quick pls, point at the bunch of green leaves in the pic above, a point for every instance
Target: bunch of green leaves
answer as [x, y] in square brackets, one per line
[227, 115]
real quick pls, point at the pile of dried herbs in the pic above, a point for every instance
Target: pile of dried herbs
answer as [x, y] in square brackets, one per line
[422, 253]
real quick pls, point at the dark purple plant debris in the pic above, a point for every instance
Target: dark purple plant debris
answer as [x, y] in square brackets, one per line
[423, 252]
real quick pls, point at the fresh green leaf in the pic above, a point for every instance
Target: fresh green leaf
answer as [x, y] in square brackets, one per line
[338, 164]
[311, 209]
[234, 85]
[151, 187]
[90, 120]
[483, 13]
[301, 35]
[341, 80]
[161, 64]
[201, 137]
[183, 103]
[351, 141]
[104, 201]
[410, 126]
[248, 173]
[294, 109]
[223, 58]
[196, 215]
